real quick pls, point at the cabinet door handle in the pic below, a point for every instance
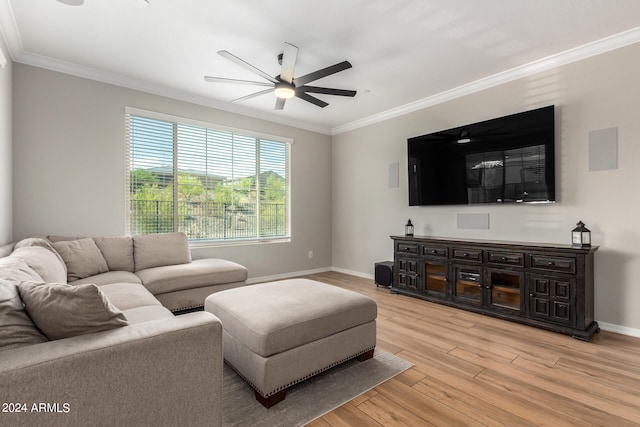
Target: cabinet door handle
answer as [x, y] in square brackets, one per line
[465, 255]
[433, 251]
[504, 258]
[531, 295]
[551, 263]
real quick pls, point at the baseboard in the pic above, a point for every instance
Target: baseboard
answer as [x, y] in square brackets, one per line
[352, 273]
[609, 327]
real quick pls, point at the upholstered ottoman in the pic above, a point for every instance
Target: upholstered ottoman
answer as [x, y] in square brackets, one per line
[280, 333]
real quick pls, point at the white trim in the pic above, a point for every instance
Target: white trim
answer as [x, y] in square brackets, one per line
[624, 330]
[572, 55]
[609, 327]
[178, 119]
[352, 273]
[9, 30]
[16, 50]
[204, 243]
[160, 90]
[3, 58]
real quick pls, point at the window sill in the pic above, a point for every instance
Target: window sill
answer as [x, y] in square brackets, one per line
[238, 242]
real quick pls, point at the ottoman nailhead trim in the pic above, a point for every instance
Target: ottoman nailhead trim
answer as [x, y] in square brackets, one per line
[285, 386]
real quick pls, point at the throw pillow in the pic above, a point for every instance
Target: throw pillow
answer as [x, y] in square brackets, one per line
[82, 257]
[156, 250]
[61, 311]
[117, 251]
[45, 262]
[16, 328]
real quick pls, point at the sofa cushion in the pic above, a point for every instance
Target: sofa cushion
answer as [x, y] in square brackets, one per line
[199, 272]
[109, 277]
[128, 295]
[16, 327]
[61, 311]
[44, 262]
[147, 313]
[117, 251]
[54, 239]
[154, 250]
[15, 269]
[82, 258]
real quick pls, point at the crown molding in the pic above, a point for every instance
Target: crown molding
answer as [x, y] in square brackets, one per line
[9, 30]
[155, 89]
[572, 55]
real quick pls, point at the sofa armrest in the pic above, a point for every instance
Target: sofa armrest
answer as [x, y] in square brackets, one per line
[165, 372]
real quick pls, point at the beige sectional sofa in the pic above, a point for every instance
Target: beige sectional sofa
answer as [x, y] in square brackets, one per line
[88, 337]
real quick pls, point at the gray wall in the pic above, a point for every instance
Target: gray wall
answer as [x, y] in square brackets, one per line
[6, 184]
[70, 176]
[595, 93]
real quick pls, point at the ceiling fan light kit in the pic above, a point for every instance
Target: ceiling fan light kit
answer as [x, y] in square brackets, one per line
[285, 86]
[284, 92]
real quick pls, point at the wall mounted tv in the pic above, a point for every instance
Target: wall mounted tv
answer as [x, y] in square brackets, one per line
[505, 160]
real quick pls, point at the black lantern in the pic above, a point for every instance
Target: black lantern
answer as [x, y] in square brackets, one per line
[580, 236]
[408, 229]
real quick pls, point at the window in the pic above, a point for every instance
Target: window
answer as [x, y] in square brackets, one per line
[211, 182]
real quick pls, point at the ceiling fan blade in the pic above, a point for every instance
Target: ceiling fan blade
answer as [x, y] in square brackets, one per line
[327, 91]
[246, 65]
[312, 99]
[253, 95]
[280, 103]
[289, 58]
[344, 65]
[244, 82]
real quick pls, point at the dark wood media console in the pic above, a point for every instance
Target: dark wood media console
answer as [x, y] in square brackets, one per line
[548, 286]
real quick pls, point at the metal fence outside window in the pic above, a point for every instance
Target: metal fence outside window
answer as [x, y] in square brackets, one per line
[210, 220]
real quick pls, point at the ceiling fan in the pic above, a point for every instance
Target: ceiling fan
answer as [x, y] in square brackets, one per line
[286, 86]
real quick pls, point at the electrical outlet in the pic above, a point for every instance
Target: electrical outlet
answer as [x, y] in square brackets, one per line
[310, 254]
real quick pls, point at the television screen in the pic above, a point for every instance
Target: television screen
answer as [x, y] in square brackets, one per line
[505, 160]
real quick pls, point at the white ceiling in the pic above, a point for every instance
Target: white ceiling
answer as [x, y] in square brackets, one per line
[405, 53]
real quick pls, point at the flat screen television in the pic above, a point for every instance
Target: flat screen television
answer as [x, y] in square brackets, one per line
[505, 160]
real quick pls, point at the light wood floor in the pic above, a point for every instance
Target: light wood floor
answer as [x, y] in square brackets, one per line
[474, 370]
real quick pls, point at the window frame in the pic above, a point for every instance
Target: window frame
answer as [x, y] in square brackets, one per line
[178, 120]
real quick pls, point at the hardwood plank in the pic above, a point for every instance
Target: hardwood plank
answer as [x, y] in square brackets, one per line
[348, 415]
[459, 400]
[426, 409]
[388, 413]
[471, 369]
[493, 395]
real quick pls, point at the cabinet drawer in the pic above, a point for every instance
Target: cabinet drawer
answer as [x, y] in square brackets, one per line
[435, 251]
[407, 248]
[506, 258]
[554, 263]
[467, 254]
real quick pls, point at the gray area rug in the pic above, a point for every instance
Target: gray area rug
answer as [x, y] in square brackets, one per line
[309, 399]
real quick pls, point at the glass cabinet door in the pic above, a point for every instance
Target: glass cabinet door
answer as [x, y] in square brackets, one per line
[505, 290]
[435, 278]
[468, 284]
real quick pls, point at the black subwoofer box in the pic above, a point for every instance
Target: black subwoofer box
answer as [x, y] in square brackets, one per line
[383, 273]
